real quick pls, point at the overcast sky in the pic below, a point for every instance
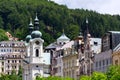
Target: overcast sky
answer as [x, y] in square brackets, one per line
[101, 6]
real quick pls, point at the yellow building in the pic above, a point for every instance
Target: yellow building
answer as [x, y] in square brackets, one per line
[116, 55]
[70, 64]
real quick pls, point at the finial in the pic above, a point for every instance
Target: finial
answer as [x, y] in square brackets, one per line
[31, 22]
[63, 31]
[86, 20]
[36, 18]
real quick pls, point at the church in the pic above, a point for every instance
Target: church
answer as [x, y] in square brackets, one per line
[36, 62]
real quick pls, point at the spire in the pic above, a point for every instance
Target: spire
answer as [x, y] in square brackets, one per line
[80, 34]
[88, 34]
[36, 18]
[36, 23]
[86, 20]
[87, 30]
[63, 31]
[30, 26]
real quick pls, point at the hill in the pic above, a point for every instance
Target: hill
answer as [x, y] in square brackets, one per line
[15, 15]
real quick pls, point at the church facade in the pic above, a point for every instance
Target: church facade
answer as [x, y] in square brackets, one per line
[36, 62]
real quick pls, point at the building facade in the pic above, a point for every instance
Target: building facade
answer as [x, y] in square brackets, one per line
[56, 52]
[70, 61]
[110, 40]
[109, 54]
[102, 61]
[116, 55]
[11, 53]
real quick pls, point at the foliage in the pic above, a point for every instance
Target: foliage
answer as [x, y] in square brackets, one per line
[54, 78]
[113, 73]
[12, 76]
[98, 76]
[15, 15]
[2, 35]
[84, 78]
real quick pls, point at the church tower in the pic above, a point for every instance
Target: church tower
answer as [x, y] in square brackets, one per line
[34, 60]
[86, 60]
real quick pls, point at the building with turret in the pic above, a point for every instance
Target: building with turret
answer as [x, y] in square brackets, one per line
[56, 52]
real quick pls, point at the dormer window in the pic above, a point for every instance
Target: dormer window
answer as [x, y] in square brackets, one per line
[60, 43]
[37, 53]
[95, 43]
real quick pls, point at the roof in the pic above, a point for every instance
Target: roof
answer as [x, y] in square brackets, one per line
[117, 48]
[114, 31]
[52, 45]
[63, 37]
[68, 45]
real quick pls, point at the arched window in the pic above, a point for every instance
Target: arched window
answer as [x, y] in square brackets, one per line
[37, 53]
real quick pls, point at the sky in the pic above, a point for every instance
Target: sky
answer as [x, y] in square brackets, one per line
[102, 6]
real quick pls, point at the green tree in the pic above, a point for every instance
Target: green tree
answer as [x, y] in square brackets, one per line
[113, 73]
[85, 78]
[98, 76]
[3, 37]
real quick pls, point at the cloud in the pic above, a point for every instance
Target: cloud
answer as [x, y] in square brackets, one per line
[101, 6]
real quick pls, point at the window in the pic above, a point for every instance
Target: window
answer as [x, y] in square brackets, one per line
[60, 43]
[37, 53]
[2, 58]
[106, 61]
[2, 69]
[10, 50]
[2, 63]
[8, 66]
[103, 62]
[99, 63]
[15, 67]
[96, 64]
[19, 61]
[19, 56]
[12, 61]
[116, 62]
[1, 50]
[8, 61]
[95, 43]
[36, 65]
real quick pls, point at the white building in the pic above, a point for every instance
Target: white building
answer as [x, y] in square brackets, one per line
[36, 62]
[57, 54]
[95, 45]
[102, 61]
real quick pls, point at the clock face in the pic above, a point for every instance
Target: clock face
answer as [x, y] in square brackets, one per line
[37, 42]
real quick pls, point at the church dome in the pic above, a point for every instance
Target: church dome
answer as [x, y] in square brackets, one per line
[28, 38]
[36, 34]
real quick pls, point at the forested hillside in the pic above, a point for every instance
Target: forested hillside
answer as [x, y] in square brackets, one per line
[15, 16]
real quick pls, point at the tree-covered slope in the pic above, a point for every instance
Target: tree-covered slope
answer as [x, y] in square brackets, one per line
[15, 15]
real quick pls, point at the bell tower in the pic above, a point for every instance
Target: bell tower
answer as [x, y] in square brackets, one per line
[33, 63]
